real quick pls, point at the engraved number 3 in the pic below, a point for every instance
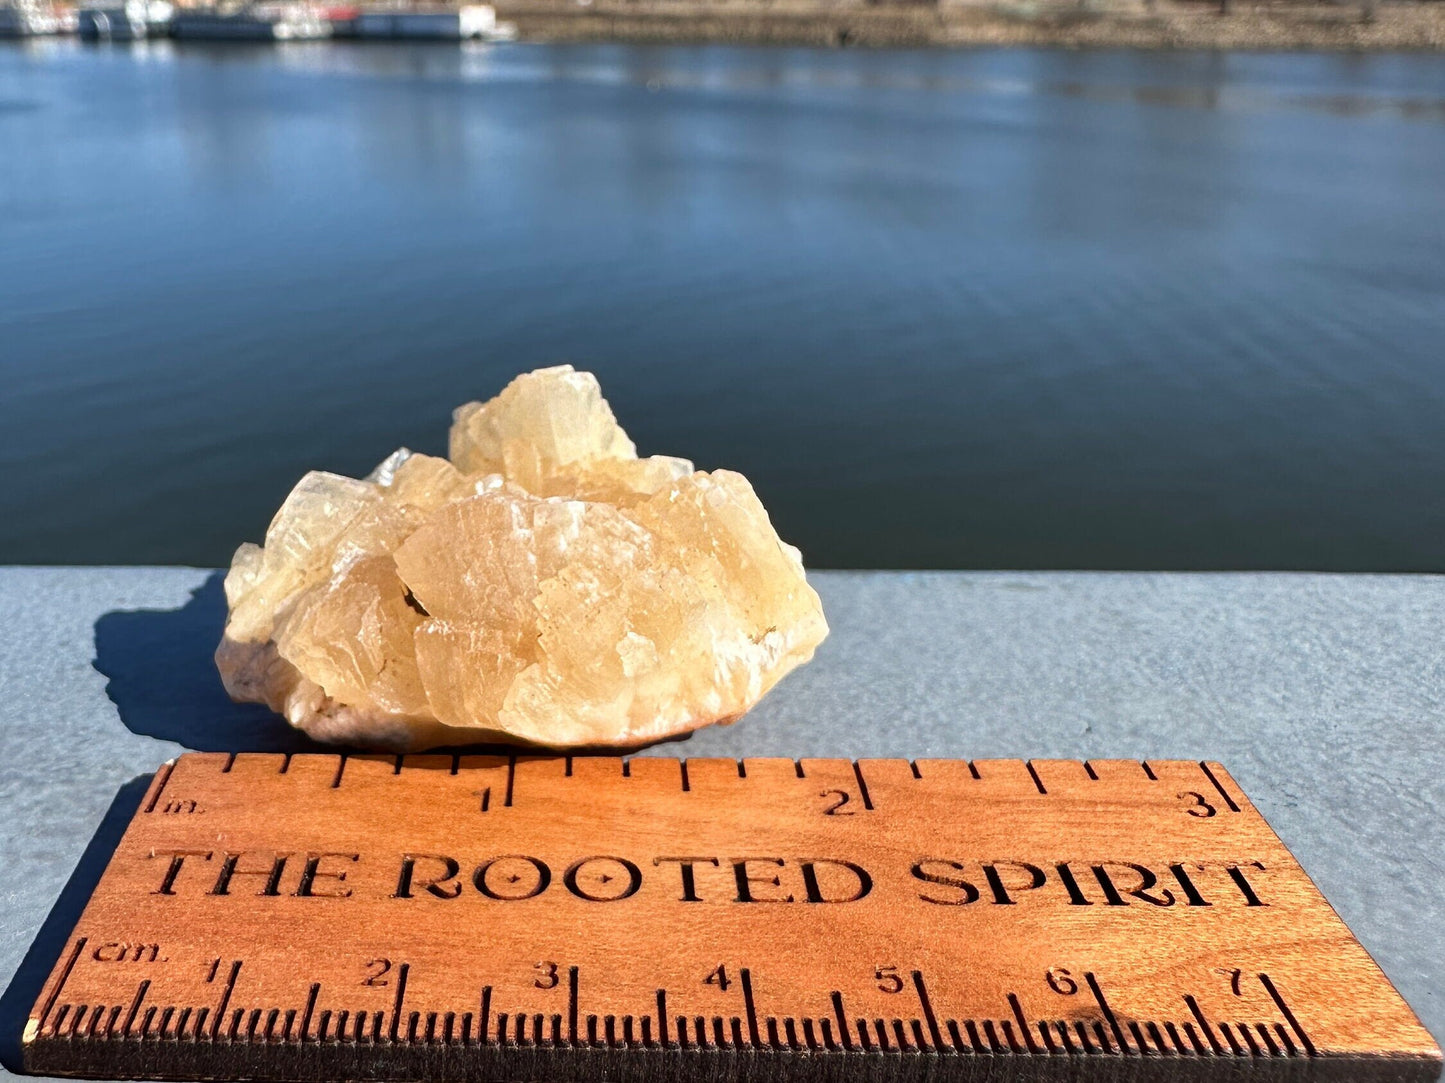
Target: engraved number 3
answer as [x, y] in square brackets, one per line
[546, 975]
[1199, 807]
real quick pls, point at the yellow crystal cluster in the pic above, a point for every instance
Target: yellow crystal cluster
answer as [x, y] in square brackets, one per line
[543, 585]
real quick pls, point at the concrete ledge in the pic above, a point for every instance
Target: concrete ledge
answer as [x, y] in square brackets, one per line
[1324, 696]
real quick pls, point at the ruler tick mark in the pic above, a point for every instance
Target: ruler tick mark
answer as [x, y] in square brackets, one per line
[1023, 1022]
[135, 1004]
[1274, 1049]
[225, 998]
[1113, 1021]
[750, 1006]
[862, 786]
[1284, 1010]
[572, 1004]
[927, 1005]
[844, 1034]
[162, 777]
[1228, 800]
[1140, 1042]
[310, 1007]
[1290, 1048]
[401, 975]
[1175, 1040]
[1203, 1024]
[64, 977]
[1033, 774]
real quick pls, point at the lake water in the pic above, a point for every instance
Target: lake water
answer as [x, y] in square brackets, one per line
[988, 308]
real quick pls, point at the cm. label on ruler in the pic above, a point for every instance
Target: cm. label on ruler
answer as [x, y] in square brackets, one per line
[556, 918]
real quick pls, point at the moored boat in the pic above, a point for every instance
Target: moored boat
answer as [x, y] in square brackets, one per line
[252, 22]
[28, 19]
[467, 22]
[132, 20]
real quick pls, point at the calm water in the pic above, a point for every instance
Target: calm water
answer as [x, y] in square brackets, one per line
[974, 309]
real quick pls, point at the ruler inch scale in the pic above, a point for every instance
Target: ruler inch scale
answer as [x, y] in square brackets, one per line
[550, 919]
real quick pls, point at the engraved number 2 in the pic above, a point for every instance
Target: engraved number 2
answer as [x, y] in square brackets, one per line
[836, 806]
[379, 967]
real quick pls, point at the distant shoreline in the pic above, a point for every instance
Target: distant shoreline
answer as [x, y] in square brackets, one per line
[1318, 27]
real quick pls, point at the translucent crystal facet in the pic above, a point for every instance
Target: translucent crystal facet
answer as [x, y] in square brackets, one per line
[544, 585]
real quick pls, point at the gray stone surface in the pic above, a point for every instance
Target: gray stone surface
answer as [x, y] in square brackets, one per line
[1323, 695]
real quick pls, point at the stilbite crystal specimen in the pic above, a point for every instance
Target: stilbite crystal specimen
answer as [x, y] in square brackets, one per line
[544, 586]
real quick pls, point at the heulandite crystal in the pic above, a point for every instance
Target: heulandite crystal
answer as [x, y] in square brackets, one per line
[544, 585]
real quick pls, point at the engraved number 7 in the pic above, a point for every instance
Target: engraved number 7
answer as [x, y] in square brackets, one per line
[1234, 976]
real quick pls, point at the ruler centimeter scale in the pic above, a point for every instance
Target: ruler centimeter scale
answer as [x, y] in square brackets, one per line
[531, 918]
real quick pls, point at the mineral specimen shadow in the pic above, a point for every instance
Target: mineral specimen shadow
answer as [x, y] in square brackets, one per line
[164, 683]
[24, 988]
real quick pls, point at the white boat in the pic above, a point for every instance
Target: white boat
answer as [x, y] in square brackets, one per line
[132, 20]
[254, 22]
[468, 22]
[28, 19]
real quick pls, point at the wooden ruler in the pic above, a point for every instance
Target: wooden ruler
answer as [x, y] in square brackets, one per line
[583, 919]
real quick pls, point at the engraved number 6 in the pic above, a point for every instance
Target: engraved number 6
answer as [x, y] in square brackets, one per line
[1061, 982]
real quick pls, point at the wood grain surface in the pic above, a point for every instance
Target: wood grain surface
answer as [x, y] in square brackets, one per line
[537, 918]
